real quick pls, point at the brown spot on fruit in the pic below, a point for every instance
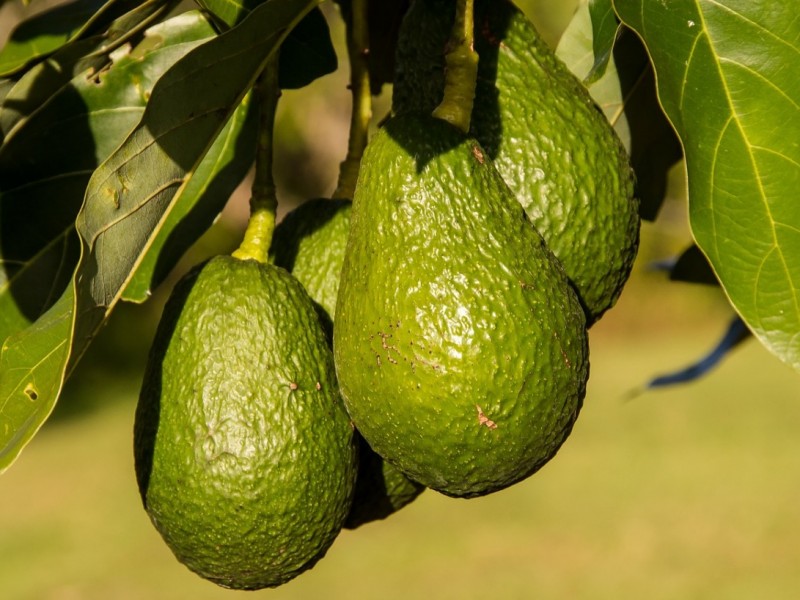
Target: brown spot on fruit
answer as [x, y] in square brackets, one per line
[484, 420]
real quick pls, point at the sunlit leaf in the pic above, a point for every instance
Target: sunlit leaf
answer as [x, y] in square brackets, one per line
[729, 80]
[127, 198]
[47, 31]
[43, 80]
[31, 373]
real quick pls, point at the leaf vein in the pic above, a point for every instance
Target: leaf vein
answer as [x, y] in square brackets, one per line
[762, 78]
[755, 24]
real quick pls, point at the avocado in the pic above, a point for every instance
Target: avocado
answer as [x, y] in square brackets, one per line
[245, 456]
[460, 346]
[310, 242]
[548, 140]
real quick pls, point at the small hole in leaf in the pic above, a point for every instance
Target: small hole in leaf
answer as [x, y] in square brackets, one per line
[31, 392]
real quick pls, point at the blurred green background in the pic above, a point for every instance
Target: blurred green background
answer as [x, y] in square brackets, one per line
[688, 492]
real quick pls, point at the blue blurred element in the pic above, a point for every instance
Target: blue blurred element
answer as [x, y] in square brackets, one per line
[665, 264]
[736, 333]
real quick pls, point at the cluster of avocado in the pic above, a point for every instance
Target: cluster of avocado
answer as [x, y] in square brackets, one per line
[432, 333]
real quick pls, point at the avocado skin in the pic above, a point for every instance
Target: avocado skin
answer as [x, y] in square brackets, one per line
[460, 346]
[247, 479]
[310, 242]
[548, 140]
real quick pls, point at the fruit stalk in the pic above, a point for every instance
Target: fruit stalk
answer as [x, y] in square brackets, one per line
[357, 52]
[263, 200]
[461, 70]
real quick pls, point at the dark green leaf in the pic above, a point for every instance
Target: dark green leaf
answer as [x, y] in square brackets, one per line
[307, 53]
[127, 198]
[692, 267]
[41, 174]
[728, 79]
[205, 194]
[46, 32]
[604, 31]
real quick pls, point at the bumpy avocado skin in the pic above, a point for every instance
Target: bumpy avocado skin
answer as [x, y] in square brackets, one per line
[245, 456]
[460, 346]
[310, 242]
[548, 140]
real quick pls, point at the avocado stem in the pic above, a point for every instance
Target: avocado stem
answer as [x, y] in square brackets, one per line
[361, 115]
[461, 70]
[263, 199]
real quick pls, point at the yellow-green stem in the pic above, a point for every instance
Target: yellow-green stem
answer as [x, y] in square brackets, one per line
[263, 201]
[461, 70]
[357, 51]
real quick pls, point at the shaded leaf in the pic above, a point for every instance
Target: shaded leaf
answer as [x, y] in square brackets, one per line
[307, 53]
[127, 198]
[728, 80]
[692, 267]
[202, 199]
[384, 18]
[47, 31]
[5, 87]
[626, 94]
[604, 31]
[40, 174]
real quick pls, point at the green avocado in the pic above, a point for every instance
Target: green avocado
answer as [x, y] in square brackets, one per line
[548, 140]
[460, 346]
[310, 242]
[245, 456]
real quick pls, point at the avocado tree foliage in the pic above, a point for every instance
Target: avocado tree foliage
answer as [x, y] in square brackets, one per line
[126, 124]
